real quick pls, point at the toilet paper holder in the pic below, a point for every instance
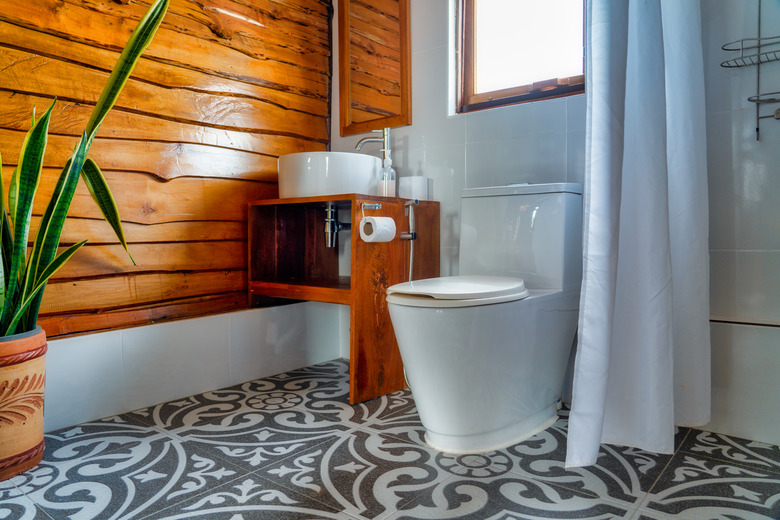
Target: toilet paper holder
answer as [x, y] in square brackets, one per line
[409, 210]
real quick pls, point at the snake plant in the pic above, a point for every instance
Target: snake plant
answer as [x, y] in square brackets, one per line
[24, 270]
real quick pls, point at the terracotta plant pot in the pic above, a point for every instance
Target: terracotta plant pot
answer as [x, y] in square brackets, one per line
[22, 377]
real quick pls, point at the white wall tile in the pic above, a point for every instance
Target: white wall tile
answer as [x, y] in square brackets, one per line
[266, 341]
[445, 167]
[744, 187]
[745, 285]
[344, 331]
[533, 158]
[745, 386]
[323, 332]
[84, 378]
[429, 24]
[272, 340]
[502, 124]
[576, 107]
[432, 126]
[575, 156]
[725, 21]
[172, 360]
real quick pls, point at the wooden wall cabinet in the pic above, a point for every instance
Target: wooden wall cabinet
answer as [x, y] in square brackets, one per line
[288, 259]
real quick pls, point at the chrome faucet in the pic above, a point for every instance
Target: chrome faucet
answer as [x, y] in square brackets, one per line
[385, 140]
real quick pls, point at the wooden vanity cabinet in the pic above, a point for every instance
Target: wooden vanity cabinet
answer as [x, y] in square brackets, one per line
[289, 260]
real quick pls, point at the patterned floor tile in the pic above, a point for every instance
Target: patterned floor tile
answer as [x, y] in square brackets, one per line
[364, 474]
[644, 514]
[85, 476]
[372, 412]
[759, 455]
[401, 421]
[265, 438]
[507, 497]
[621, 474]
[14, 504]
[292, 447]
[699, 487]
[249, 498]
[258, 422]
[247, 404]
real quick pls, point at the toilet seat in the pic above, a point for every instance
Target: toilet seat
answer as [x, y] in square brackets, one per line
[457, 291]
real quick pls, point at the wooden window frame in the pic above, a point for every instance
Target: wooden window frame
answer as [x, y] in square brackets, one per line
[469, 101]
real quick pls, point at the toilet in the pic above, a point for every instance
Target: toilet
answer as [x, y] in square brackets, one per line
[485, 352]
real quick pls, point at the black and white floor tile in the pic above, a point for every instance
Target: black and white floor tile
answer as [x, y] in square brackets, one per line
[291, 447]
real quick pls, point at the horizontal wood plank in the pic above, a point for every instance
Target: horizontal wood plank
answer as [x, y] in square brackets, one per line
[163, 160]
[106, 30]
[145, 200]
[99, 232]
[136, 290]
[62, 324]
[160, 74]
[70, 118]
[98, 260]
[78, 83]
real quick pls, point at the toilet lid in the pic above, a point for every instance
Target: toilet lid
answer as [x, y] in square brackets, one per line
[492, 289]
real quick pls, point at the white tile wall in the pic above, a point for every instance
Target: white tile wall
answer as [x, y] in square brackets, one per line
[744, 190]
[534, 142]
[102, 374]
[261, 347]
[176, 359]
[745, 386]
[84, 379]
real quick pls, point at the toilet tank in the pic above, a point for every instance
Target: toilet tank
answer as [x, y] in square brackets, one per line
[530, 231]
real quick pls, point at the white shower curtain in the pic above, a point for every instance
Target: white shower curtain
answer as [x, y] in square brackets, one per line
[643, 359]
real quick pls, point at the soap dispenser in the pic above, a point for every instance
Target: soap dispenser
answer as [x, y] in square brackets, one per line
[387, 178]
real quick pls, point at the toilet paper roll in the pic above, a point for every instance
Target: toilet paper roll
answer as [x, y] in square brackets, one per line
[377, 229]
[413, 188]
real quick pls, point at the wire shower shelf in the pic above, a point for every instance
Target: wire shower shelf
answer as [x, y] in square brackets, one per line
[760, 50]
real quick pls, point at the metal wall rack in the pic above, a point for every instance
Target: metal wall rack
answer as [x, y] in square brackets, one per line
[756, 52]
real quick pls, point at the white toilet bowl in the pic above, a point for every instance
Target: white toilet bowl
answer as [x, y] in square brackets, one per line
[485, 367]
[485, 354]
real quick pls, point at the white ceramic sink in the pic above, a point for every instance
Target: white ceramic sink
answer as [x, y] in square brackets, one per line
[309, 174]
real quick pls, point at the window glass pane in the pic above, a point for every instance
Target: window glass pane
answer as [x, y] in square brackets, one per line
[519, 42]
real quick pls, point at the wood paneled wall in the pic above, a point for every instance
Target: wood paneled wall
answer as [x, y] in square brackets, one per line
[224, 89]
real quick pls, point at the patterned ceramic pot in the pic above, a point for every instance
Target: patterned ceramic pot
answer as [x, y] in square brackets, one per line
[22, 377]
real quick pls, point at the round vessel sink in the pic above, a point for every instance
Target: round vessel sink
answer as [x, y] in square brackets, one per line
[309, 174]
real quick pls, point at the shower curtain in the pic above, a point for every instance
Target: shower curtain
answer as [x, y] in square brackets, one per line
[643, 358]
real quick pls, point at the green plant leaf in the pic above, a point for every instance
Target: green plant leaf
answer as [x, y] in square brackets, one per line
[2, 236]
[6, 247]
[47, 273]
[13, 191]
[13, 188]
[50, 230]
[139, 40]
[98, 188]
[28, 178]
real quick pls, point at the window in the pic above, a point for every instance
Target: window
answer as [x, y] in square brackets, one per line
[513, 51]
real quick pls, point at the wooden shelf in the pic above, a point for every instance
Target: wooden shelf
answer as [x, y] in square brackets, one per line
[288, 259]
[327, 291]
